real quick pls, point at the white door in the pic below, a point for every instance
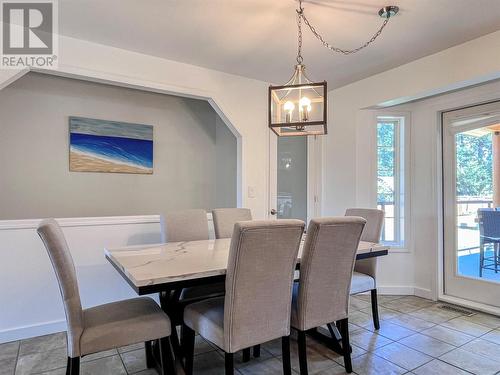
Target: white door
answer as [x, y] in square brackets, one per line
[471, 194]
[294, 165]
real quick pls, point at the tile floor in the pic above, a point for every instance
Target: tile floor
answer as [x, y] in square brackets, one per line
[416, 337]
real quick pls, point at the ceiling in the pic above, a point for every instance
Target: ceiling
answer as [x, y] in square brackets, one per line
[257, 38]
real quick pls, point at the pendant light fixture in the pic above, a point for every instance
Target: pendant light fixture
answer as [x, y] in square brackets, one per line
[299, 107]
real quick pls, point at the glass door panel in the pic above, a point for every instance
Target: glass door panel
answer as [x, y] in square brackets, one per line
[292, 178]
[471, 181]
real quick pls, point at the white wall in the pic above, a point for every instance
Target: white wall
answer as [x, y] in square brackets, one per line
[347, 157]
[226, 165]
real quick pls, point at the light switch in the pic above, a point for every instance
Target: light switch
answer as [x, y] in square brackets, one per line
[251, 192]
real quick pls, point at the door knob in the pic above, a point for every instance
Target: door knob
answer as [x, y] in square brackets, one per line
[273, 211]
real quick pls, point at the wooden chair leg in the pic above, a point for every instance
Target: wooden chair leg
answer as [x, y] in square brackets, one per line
[167, 357]
[246, 355]
[301, 340]
[285, 353]
[229, 362]
[256, 351]
[346, 346]
[150, 362]
[376, 322]
[188, 349]
[73, 366]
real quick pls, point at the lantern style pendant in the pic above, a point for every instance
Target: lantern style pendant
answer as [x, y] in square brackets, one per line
[299, 107]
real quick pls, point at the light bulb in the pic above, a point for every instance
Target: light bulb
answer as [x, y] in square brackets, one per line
[305, 102]
[305, 108]
[288, 107]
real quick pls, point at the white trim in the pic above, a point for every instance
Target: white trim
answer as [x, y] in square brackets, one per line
[33, 330]
[403, 144]
[86, 221]
[424, 293]
[396, 290]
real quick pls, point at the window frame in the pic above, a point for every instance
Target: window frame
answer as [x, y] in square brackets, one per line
[401, 176]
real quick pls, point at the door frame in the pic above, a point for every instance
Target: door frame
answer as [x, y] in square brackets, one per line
[448, 195]
[314, 175]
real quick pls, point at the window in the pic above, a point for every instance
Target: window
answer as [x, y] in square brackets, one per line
[390, 177]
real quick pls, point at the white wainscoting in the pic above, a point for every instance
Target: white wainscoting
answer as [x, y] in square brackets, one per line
[30, 303]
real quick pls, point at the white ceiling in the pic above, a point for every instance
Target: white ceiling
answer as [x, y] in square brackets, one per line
[257, 38]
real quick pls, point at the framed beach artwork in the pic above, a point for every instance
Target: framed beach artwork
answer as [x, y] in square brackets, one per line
[110, 146]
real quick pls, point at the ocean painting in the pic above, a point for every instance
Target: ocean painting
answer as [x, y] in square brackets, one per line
[110, 146]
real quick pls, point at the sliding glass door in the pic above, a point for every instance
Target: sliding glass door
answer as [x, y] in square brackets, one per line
[471, 193]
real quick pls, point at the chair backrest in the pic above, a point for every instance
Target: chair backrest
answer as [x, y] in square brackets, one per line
[62, 262]
[186, 225]
[225, 218]
[374, 222]
[326, 270]
[259, 279]
[489, 222]
[372, 233]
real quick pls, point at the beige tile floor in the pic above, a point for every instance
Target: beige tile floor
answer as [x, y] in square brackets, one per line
[416, 337]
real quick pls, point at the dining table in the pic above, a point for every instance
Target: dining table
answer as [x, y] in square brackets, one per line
[167, 268]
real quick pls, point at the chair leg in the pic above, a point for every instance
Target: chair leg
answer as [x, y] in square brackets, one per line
[496, 252]
[481, 260]
[376, 322]
[167, 357]
[301, 340]
[150, 362]
[229, 362]
[246, 355]
[188, 349]
[346, 346]
[285, 353]
[73, 366]
[256, 351]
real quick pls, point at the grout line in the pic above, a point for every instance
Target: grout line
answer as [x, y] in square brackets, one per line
[121, 360]
[17, 356]
[437, 359]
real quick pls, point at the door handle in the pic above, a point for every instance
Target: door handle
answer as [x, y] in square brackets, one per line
[273, 211]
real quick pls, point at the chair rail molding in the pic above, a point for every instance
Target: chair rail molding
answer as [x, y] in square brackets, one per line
[86, 221]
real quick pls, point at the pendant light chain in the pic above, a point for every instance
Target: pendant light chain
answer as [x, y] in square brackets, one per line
[300, 59]
[301, 16]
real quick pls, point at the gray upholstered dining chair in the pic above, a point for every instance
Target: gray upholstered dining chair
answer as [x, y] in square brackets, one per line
[189, 225]
[322, 294]
[257, 304]
[185, 225]
[106, 326]
[225, 218]
[365, 270]
[181, 226]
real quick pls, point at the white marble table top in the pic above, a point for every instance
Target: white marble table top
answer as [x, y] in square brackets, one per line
[147, 265]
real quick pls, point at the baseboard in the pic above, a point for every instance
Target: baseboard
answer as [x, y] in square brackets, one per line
[424, 293]
[396, 290]
[34, 330]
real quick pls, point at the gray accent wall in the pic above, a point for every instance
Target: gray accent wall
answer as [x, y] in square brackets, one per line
[195, 154]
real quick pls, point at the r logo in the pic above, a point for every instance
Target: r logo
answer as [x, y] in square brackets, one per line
[27, 28]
